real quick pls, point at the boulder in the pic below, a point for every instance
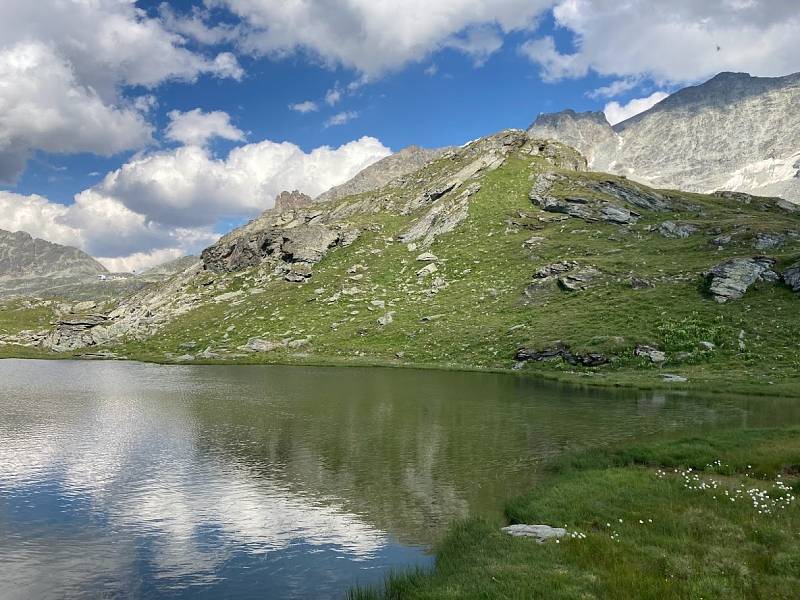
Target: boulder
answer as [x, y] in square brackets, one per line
[386, 319]
[791, 276]
[676, 230]
[428, 269]
[576, 281]
[617, 214]
[655, 355]
[75, 331]
[259, 345]
[768, 241]
[556, 268]
[729, 280]
[540, 533]
[427, 257]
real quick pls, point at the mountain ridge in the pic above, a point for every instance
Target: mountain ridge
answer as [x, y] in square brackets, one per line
[734, 132]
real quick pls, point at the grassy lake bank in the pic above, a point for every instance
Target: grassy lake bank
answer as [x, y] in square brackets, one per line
[706, 517]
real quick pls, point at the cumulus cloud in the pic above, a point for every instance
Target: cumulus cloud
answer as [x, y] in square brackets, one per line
[197, 128]
[63, 64]
[478, 42]
[304, 107]
[168, 203]
[43, 106]
[671, 41]
[376, 37]
[616, 112]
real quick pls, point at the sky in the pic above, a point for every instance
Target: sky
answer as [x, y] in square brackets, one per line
[139, 131]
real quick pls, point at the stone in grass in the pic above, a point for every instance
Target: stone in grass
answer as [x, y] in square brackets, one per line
[729, 280]
[540, 533]
[427, 257]
[672, 378]
[654, 354]
[259, 345]
[428, 269]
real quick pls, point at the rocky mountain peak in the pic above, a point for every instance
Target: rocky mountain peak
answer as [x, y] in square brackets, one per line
[734, 132]
[291, 201]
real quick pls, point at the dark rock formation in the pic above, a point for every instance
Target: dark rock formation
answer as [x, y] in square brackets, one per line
[559, 350]
[729, 280]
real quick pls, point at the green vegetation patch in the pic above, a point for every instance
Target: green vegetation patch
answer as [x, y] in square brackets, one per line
[712, 517]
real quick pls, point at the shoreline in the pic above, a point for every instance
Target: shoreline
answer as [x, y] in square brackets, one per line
[574, 379]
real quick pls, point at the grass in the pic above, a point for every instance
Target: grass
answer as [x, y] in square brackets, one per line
[482, 316]
[671, 519]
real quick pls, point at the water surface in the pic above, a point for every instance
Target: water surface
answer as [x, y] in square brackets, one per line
[126, 480]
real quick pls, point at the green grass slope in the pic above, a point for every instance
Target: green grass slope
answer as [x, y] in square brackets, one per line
[479, 316]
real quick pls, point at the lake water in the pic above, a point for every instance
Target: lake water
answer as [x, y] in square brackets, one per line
[127, 480]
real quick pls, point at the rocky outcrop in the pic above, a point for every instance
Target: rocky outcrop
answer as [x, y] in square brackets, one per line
[729, 280]
[559, 350]
[734, 132]
[564, 275]
[444, 216]
[610, 200]
[76, 331]
[676, 230]
[294, 200]
[791, 276]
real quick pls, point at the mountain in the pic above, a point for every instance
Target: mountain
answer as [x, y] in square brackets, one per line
[733, 132]
[29, 264]
[169, 269]
[503, 253]
[382, 172]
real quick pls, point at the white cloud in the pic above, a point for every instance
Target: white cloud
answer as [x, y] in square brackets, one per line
[168, 203]
[196, 128]
[615, 88]
[42, 106]
[194, 25]
[63, 64]
[478, 42]
[333, 96]
[341, 118]
[672, 41]
[141, 261]
[376, 37]
[616, 113]
[431, 70]
[304, 107]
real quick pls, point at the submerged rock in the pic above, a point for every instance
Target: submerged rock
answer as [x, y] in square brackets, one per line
[729, 280]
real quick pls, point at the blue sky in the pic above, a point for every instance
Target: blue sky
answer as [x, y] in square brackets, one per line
[95, 87]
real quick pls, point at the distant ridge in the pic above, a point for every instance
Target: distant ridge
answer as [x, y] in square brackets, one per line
[377, 175]
[733, 132]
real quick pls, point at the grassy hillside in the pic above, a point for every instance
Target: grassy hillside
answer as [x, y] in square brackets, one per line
[473, 311]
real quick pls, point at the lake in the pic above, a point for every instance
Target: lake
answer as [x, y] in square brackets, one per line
[129, 480]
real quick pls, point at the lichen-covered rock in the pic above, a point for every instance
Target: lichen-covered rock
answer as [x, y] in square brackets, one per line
[768, 241]
[729, 280]
[576, 281]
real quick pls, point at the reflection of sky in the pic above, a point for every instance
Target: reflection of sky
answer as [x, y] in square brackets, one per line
[114, 497]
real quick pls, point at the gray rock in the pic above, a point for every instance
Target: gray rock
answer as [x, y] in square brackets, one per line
[427, 257]
[560, 350]
[428, 269]
[556, 268]
[638, 283]
[707, 346]
[75, 331]
[576, 281]
[540, 533]
[655, 355]
[618, 214]
[769, 241]
[671, 378]
[184, 358]
[721, 240]
[260, 345]
[386, 319]
[729, 280]
[791, 276]
[675, 230]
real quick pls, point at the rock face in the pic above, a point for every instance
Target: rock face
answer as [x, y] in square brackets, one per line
[76, 331]
[28, 264]
[377, 175]
[791, 276]
[730, 279]
[559, 350]
[734, 132]
[291, 201]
